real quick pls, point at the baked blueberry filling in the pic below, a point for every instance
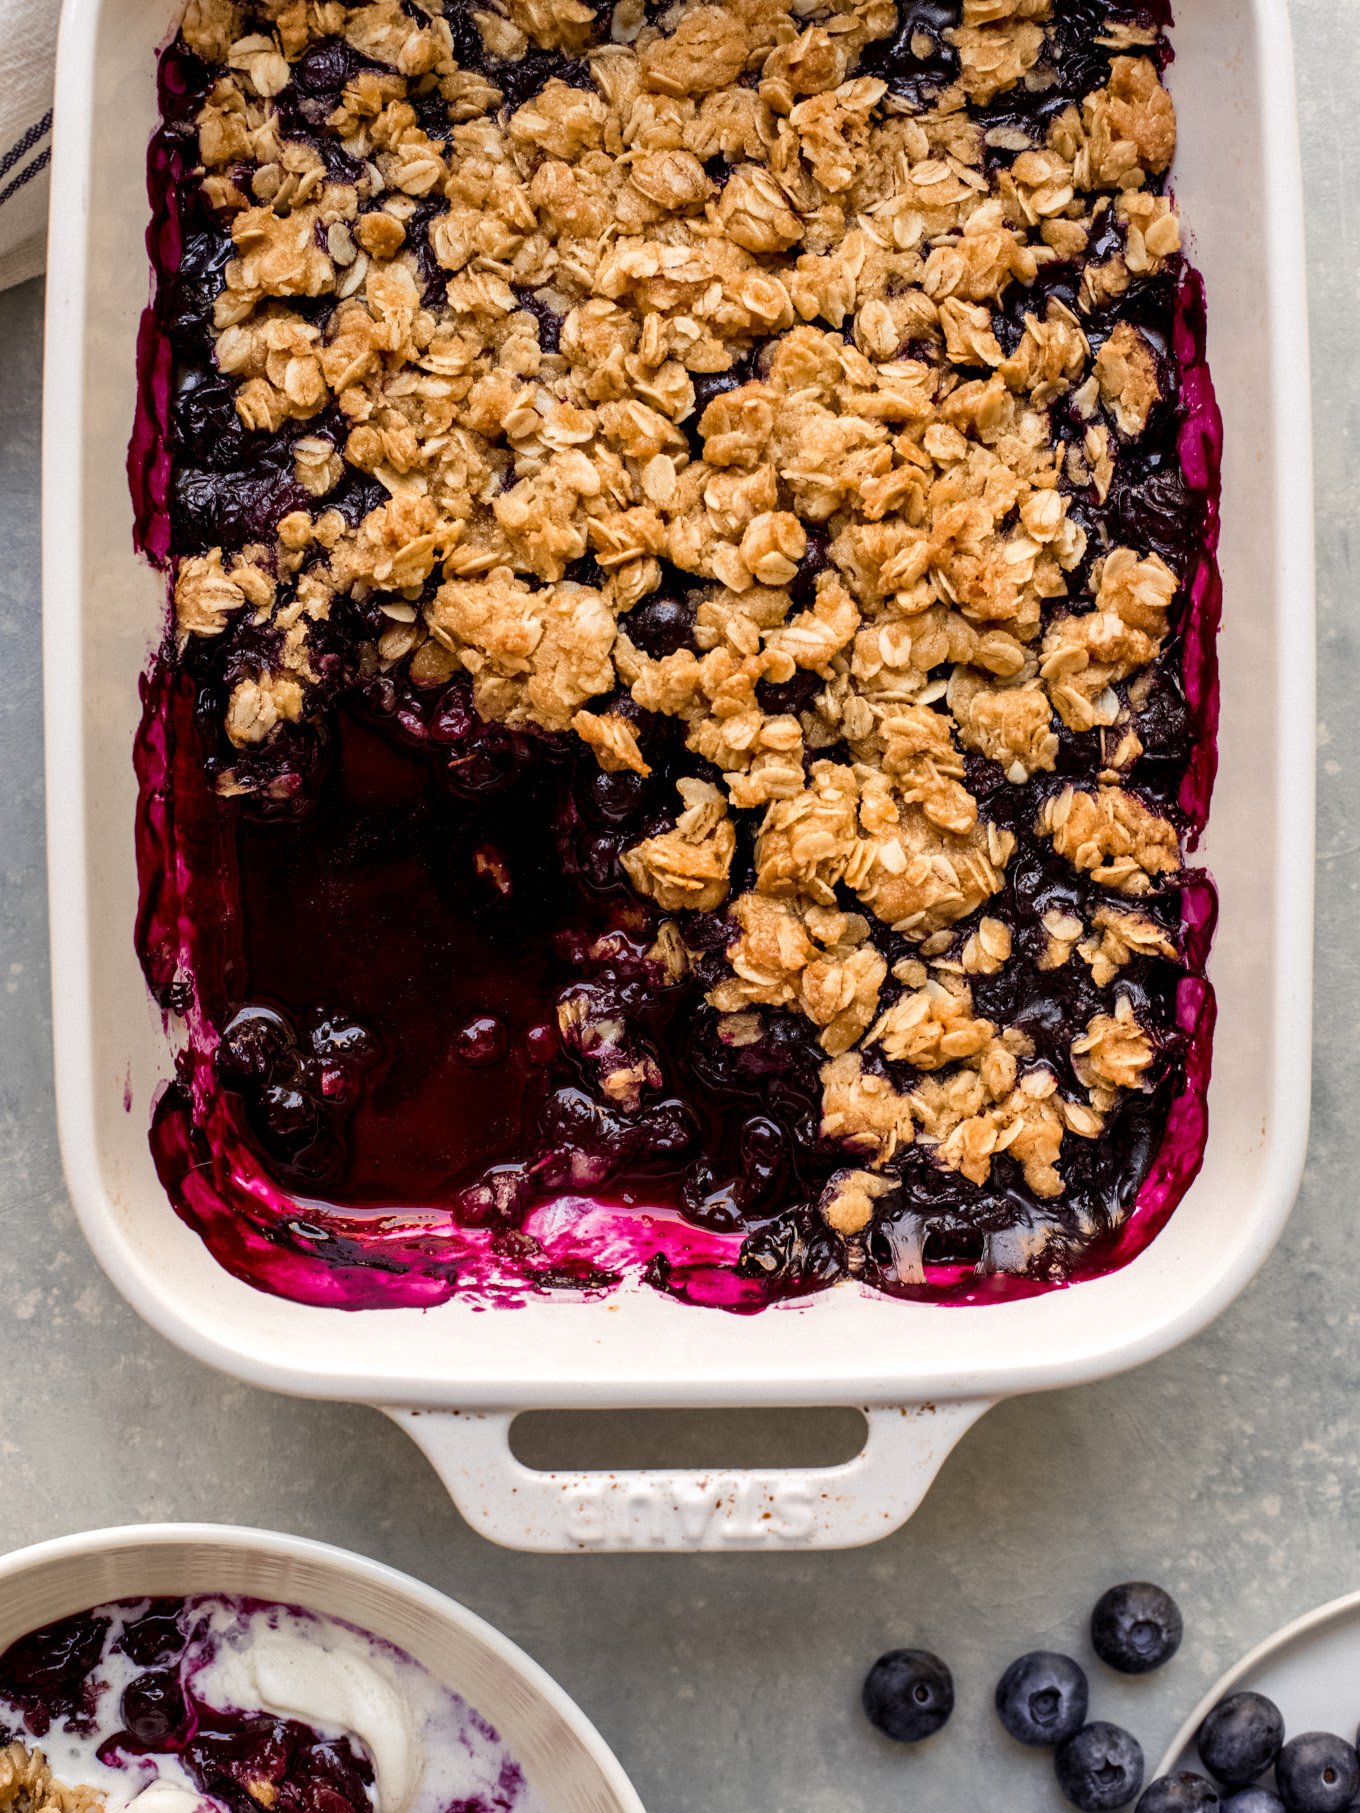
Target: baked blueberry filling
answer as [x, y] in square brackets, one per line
[690, 681]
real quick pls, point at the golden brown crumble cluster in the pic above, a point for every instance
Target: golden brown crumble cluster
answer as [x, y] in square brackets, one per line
[866, 244]
[27, 1785]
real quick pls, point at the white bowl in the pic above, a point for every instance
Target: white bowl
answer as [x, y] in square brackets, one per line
[562, 1755]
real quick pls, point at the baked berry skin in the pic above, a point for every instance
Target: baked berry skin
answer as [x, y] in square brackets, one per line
[153, 1708]
[1136, 1627]
[1042, 1698]
[1318, 1772]
[1185, 1792]
[1240, 1738]
[908, 1695]
[1100, 1768]
[1254, 1800]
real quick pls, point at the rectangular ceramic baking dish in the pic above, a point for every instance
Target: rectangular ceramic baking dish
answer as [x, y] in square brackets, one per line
[456, 1376]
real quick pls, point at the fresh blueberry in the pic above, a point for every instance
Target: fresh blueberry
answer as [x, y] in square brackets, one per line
[908, 1694]
[1317, 1773]
[1254, 1800]
[1183, 1793]
[1136, 1627]
[1041, 1699]
[1240, 1738]
[1100, 1768]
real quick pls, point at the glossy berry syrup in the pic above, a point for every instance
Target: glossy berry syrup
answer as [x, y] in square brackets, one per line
[374, 1107]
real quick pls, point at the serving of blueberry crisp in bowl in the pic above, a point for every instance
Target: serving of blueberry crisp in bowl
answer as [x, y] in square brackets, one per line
[690, 687]
[219, 1704]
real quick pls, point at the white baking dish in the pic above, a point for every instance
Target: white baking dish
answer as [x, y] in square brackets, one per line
[456, 1376]
[562, 1755]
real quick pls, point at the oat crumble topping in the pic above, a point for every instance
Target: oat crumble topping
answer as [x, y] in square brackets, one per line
[27, 1785]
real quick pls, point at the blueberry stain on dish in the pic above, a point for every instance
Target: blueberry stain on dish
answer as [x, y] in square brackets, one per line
[530, 664]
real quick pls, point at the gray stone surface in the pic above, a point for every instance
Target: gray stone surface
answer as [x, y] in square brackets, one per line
[1230, 1470]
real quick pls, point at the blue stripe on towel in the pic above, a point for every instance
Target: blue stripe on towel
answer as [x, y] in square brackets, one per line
[22, 146]
[25, 175]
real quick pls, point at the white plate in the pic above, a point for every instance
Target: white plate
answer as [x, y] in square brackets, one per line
[1310, 1668]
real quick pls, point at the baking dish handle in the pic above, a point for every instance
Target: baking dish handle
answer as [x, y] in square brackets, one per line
[772, 1509]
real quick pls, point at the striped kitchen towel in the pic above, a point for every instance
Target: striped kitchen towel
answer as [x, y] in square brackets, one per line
[28, 43]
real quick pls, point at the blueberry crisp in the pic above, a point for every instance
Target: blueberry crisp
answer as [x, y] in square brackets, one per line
[216, 1704]
[691, 678]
